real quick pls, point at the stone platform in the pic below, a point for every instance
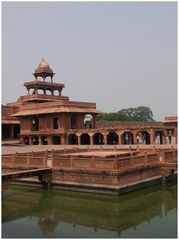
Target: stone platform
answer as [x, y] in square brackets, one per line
[97, 168]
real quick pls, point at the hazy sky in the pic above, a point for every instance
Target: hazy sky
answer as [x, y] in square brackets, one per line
[118, 55]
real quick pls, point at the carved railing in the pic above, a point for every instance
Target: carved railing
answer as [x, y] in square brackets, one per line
[24, 161]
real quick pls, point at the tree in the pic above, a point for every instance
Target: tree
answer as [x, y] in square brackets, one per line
[140, 113]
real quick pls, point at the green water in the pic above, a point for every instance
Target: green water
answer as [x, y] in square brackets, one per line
[29, 212]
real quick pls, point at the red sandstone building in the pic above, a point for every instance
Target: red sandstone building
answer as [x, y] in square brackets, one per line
[45, 116]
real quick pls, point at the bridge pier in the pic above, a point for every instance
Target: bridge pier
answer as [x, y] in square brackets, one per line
[45, 179]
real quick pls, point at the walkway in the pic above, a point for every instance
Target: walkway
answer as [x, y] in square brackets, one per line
[25, 174]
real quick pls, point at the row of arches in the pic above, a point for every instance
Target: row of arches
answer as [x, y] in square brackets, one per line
[43, 140]
[112, 138]
[44, 91]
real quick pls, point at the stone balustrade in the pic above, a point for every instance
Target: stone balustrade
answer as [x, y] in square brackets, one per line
[22, 161]
[111, 163]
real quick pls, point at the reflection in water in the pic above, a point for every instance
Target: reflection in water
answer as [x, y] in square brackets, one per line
[31, 212]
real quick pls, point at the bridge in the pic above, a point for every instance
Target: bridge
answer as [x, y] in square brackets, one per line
[44, 175]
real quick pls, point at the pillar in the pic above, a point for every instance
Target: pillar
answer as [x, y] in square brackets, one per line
[79, 140]
[63, 142]
[49, 140]
[164, 137]
[36, 90]
[94, 121]
[105, 138]
[175, 135]
[30, 140]
[91, 139]
[152, 136]
[135, 137]
[22, 140]
[119, 133]
[40, 140]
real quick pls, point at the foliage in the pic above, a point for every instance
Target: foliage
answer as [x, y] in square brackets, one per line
[140, 113]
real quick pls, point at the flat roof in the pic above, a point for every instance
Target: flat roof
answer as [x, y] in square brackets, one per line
[55, 110]
[43, 83]
[99, 153]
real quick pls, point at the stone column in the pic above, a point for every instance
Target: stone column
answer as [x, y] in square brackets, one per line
[91, 139]
[94, 121]
[44, 91]
[63, 142]
[22, 140]
[79, 139]
[40, 140]
[30, 140]
[36, 90]
[164, 137]
[105, 138]
[175, 135]
[49, 140]
[152, 136]
[135, 137]
[119, 133]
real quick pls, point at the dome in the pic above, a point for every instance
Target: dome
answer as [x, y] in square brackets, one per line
[43, 67]
[43, 70]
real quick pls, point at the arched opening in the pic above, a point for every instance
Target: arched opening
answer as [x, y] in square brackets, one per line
[56, 93]
[40, 91]
[31, 91]
[26, 140]
[48, 92]
[98, 139]
[16, 131]
[88, 121]
[74, 121]
[85, 139]
[48, 79]
[56, 140]
[73, 139]
[44, 140]
[35, 140]
[159, 137]
[143, 137]
[170, 136]
[112, 138]
[35, 124]
[127, 138]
